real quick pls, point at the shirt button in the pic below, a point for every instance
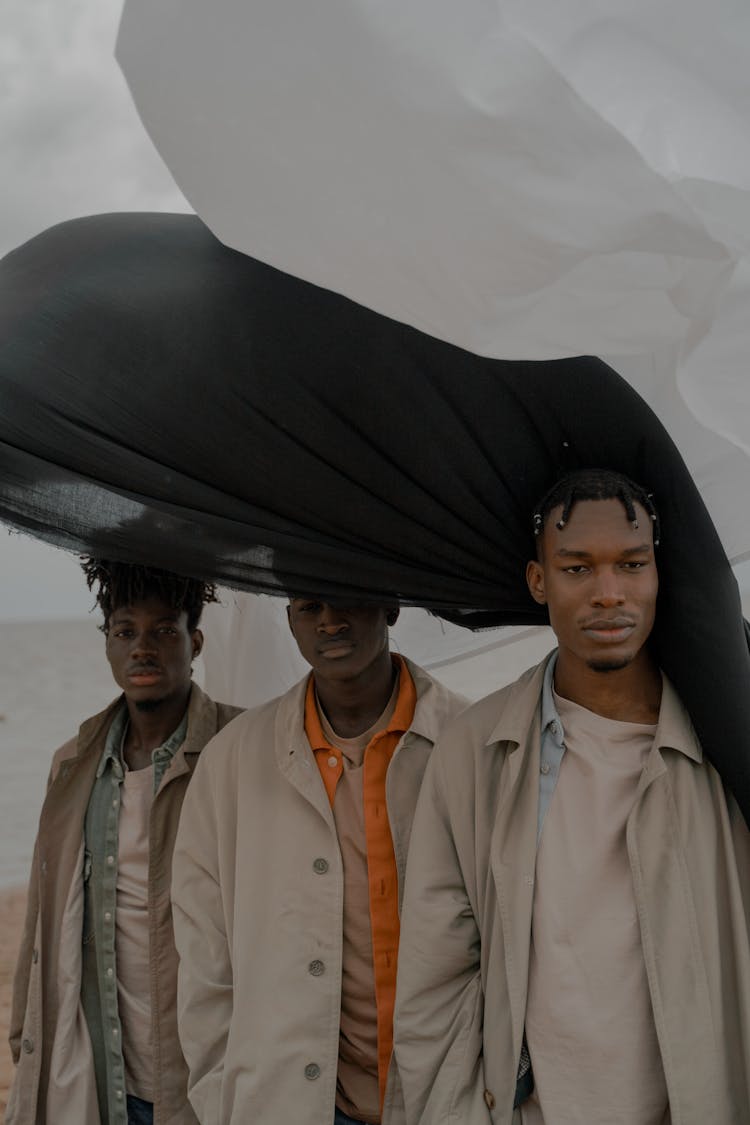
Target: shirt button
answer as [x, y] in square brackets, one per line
[107, 916]
[115, 1031]
[320, 866]
[118, 1094]
[28, 1046]
[555, 727]
[115, 803]
[333, 761]
[110, 860]
[312, 1071]
[110, 972]
[545, 767]
[316, 968]
[489, 1099]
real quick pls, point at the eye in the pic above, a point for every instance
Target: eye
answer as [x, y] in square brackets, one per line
[576, 568]
[634, 564]
[122, 632]
[309, 607]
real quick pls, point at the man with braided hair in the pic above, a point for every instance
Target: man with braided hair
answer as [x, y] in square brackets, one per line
[93, 1028]
[575, 942]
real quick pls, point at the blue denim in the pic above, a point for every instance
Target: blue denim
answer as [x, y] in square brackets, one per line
[340, 1118]
[140, 1112]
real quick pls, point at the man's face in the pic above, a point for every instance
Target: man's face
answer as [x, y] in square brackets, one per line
[340, 642]
[597, 576]
[150, 651]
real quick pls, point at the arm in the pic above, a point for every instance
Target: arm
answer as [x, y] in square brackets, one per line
[205, 980]
[439, 999]
[22, 973]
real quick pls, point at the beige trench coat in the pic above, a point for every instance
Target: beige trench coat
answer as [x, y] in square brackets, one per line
[54, 1081]
[258, 898]
[466, 923]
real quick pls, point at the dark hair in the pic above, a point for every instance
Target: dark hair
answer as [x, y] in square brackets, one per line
[595, 484]
[120, 584]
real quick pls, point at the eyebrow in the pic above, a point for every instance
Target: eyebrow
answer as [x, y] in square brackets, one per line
[125, 619]
[567, 552]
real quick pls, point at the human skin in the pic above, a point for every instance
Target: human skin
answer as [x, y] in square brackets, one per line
[347, 648]
[597, 575]
[150, 651]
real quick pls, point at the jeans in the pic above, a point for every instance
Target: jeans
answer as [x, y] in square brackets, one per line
[340, 1118]
[140, 1112]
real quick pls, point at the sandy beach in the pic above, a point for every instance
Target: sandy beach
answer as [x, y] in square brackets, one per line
[12, 904]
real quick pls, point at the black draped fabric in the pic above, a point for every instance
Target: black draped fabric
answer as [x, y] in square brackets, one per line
[166, 400]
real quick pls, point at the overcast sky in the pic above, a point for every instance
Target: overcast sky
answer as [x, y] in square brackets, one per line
[72, 144]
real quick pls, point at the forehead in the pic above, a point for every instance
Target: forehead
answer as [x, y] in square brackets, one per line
[597, 525]
[151, 607]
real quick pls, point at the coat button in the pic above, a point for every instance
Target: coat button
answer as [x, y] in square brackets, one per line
[489, 1098]
[312, 1071]
[28, 1046]
[320, 866]
[316, 968]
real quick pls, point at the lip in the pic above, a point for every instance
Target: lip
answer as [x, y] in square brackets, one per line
[144, 677]
[609, 630]
[336, 650]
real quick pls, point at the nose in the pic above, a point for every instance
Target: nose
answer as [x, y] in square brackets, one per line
[331, 620]
[608, 590]
[144, 643]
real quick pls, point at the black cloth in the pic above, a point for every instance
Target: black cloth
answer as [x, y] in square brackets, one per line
[166, 400]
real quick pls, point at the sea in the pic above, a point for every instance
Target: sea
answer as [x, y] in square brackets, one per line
[53, 674]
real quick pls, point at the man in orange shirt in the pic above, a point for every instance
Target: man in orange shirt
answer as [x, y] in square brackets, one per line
[289, 868]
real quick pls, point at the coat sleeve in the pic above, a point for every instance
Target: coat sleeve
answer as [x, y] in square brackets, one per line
[205, 981]
[439, 1000]
[22, 974]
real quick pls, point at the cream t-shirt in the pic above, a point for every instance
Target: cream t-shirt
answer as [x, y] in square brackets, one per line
[589, 1020]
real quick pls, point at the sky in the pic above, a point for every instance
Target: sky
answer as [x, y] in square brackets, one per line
[72, 144]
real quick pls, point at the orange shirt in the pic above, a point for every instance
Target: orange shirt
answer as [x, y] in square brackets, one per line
[381, 860]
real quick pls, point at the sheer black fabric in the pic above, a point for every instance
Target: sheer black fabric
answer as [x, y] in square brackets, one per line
[166, 400]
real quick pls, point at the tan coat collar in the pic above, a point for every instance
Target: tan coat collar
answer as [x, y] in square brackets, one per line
[674, 730]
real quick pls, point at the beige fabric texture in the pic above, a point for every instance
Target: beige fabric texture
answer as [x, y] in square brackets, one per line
[131, 932]
[46, 1001]
[258, 896]
[466, 921]
[589, 1023]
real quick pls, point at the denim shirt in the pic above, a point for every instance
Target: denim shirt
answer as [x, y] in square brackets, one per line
[99, 972]
[552, 745]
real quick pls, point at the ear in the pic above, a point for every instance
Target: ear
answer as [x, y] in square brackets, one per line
[289, 619]
[535, 581]
[391, 616]
[197, 639]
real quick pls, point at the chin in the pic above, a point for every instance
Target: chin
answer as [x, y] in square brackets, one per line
[147, 704]
[609, 663]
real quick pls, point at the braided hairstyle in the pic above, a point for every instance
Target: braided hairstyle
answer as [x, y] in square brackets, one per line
[595, 484]
[120, 584]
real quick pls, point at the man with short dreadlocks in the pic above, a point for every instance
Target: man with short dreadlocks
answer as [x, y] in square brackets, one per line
[93, 1029]
[575, 939]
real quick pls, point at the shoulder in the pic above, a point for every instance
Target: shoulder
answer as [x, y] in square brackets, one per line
[257, 726]
[434, 695]
[90, 738]
[503, 716]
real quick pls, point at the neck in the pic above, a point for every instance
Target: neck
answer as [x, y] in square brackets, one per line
[148, 730]
[631, 694]
[352, 706]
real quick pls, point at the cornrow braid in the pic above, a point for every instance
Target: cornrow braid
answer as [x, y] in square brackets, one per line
[120, 584]
[595, 484]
